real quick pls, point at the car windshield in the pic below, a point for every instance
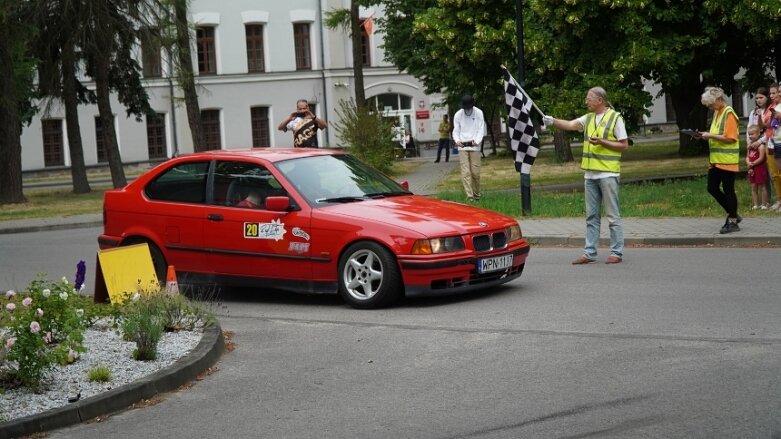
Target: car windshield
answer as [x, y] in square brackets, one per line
[329, 179]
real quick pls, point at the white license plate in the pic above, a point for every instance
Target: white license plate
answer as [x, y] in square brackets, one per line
[487, 265]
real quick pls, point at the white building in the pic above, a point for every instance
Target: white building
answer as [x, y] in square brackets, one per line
[254, 59]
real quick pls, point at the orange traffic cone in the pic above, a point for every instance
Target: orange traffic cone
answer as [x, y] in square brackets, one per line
[171, 285]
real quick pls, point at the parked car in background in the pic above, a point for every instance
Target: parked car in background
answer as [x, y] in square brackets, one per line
[321, 221]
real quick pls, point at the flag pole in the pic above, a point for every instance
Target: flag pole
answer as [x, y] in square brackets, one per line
[526, 193]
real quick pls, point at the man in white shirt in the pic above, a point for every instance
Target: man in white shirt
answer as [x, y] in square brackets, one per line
[604, 140]
[468, 133]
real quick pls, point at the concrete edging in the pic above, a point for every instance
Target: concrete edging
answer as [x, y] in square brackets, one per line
[203, 356]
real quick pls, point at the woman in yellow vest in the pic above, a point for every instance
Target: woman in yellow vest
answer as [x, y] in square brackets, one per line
[724, 155]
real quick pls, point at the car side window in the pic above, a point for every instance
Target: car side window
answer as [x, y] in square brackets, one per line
[184, 183]
[244, 185]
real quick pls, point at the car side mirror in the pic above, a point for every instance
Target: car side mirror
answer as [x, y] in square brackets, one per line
[405, 185]
[277, 204]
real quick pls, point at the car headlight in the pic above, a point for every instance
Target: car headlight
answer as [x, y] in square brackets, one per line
[437, 245]
[514, 233]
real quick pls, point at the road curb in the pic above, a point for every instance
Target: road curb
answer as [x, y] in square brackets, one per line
[676, 241]
[205, 354]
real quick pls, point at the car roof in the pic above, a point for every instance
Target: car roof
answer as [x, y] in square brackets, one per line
[270, 154]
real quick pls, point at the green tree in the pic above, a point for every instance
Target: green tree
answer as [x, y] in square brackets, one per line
[455, 45]
[349, 20]
[109, 45]
[16, 93]
[58, 65]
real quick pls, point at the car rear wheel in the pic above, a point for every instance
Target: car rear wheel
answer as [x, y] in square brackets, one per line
[158, 260]
[369, 276]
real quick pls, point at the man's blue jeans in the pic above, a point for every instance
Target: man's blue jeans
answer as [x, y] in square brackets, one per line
[597, 192]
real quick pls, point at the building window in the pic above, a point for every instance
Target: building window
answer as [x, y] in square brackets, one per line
[53, 143]
[100, 145]
[155, 136]
[210, 121]
[261, 134]
[366, 47]
[302, 45]
[207, 57]
[255, 62]
[151, 55]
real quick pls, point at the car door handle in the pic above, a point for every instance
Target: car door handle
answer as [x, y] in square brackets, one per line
[214, 217]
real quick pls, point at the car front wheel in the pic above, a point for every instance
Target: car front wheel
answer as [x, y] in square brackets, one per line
[369, 276]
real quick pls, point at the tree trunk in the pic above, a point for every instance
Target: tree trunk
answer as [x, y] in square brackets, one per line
[186, 75]
[562, 146]
[355, 21]
[689, 114]
[70, 98]
[10, 129]
[107, 121]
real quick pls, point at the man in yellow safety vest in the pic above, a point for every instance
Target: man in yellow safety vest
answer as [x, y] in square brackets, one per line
[604, 140]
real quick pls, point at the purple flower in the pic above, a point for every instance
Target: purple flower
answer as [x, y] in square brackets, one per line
[35, 327]
[10, 343]
[10, 293]
[39, 312]
[81, 270]
[10, 306]
[27, 301]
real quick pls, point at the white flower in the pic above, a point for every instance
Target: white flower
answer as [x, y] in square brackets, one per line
[10, 306]
[10, 342]
[81, 288]
[136, 297]
[48, 337]
[80, 312]
[10, 293]
[35, 327]
[72, 356]
[39, 312]
[64, 295]
[27, 301]
[46, 292]
[65, 280]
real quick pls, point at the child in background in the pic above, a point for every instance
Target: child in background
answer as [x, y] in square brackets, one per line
[757, 171]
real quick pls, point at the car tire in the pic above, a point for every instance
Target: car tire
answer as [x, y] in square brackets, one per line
[369, 276]
[158, 260]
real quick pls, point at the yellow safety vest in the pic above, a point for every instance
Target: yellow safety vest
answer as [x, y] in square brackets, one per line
[723, 153]
[597, 157]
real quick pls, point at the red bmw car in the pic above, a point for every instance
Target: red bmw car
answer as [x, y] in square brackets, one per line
[311, 220]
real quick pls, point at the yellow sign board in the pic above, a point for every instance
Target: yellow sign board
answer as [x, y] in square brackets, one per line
[126, 271]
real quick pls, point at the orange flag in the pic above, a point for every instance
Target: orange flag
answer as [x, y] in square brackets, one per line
[368, 24]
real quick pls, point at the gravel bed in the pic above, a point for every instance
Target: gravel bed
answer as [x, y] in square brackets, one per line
[104, 347]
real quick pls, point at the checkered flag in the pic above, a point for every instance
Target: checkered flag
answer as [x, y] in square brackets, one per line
[523, 138]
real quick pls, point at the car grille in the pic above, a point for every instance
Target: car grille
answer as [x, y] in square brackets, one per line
[489, 241]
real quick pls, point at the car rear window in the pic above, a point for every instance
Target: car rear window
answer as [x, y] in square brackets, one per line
[184, 183]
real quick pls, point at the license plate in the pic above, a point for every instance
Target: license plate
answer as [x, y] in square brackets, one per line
[494, 263]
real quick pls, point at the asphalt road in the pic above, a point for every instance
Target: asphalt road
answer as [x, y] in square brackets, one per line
[673, 343]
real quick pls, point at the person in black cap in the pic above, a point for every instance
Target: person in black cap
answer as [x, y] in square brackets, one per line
[468, 133]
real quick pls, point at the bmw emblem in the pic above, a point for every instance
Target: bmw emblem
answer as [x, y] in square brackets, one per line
[482, 224]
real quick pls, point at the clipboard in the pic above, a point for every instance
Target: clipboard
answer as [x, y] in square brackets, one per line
[693, 133]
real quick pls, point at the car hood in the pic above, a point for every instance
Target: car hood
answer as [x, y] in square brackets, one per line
[427, 216]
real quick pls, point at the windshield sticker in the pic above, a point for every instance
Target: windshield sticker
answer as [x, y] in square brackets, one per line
[274, 230]
[299, 247]
[300, 233]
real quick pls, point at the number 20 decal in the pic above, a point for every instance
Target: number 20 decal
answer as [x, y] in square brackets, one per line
[274, 230]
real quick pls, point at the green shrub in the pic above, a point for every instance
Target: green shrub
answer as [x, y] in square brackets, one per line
[43, 326]
[143, 324]
[367, 134]
[100, 373]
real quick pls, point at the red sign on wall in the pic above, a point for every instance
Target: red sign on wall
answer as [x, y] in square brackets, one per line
[422, 114]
